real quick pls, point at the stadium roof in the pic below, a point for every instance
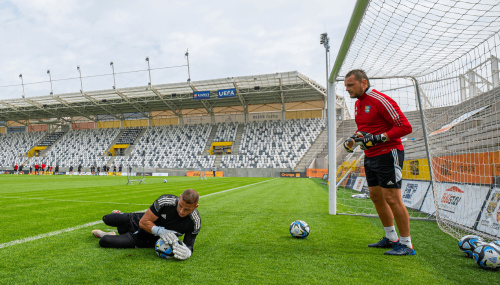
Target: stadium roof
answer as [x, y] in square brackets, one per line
[259, 89]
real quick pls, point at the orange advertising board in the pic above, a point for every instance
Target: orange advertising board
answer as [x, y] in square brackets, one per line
[316, 172]
[467, 168]
[207, 173]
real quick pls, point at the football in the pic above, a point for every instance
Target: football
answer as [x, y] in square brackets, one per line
[299, 229]
[468, 243]
[487, 255]
[163, 249]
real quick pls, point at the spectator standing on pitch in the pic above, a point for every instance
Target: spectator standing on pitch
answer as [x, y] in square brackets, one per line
[71, 169]
[168, 218]
[381, 124]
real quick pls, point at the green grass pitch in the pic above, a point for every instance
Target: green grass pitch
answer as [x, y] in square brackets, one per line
[244, 237]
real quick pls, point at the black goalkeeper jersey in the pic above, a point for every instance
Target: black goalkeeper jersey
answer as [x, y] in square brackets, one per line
[165, 208]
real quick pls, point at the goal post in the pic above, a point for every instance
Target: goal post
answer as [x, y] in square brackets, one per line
[136, 174]
[439, 61]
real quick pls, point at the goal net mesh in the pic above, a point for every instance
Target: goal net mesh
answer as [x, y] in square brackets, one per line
[444, 57]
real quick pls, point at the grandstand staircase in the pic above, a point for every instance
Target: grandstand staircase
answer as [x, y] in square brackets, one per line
[131, 147]
[218, 159]
[210, 139]
[49, 140]
[237, 140]
[317, 149]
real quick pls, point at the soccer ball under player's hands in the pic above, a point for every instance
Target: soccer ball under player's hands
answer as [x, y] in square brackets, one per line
[181, 251]
[167, 236]
[366, 140]
[349, 143]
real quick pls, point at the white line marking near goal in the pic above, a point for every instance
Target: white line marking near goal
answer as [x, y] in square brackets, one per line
[236, 188]
[7, 244]
[19, 241]
[75, 201]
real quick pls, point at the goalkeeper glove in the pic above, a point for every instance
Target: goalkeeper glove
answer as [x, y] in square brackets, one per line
[348, 141]
[181, 251]
[367, 140]
[166, 235]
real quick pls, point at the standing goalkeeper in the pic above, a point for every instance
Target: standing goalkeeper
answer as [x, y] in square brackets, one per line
[381, 124]
[168, 218]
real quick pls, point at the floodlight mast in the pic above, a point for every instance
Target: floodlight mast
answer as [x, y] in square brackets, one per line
[22, 83]
[325, 41]
[149, 71]
[187, 58]
[50, 79]
[114, 79]
[81, 82]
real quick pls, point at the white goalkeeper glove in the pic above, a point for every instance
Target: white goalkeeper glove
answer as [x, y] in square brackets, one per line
[181, 251]
[167, 236]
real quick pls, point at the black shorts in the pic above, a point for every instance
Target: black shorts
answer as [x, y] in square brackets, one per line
[130, 234]
[385, 170]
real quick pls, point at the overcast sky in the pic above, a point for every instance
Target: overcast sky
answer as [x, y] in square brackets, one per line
[224, 38]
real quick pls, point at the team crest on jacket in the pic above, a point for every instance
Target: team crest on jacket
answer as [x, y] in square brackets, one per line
[367, 109]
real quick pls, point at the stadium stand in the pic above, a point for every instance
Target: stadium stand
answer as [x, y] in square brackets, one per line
[226, 132]
[14, 145]
[274, 144]
[128, 136]
[171, 147]
[85, 147]
[51, 138]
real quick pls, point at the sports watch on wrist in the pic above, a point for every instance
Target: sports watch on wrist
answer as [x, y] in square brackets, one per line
[383, 138]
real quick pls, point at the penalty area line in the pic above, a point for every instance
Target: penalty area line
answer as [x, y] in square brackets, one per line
[40, 236]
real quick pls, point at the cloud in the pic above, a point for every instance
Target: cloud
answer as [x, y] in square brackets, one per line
[225, 38]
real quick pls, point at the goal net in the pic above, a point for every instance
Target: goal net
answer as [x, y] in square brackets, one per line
[439, 60]
[135, 174]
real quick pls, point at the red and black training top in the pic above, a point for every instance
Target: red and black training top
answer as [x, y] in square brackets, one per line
[377, 113]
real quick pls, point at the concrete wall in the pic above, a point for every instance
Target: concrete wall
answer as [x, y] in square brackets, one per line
[228, 172]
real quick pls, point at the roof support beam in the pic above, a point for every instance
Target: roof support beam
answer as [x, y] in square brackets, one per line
[240, 97]
[7, 119]
[170, 105]
[74, 109]
[282, 98]
[110, 111]
[46, 110]
[134, 104]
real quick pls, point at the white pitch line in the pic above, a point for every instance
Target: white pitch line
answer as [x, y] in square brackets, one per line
[75, 201]
[19, 241]
[235, 188]
[7, 244]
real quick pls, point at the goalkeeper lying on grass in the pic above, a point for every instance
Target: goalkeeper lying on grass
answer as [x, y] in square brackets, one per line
[168, 218]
